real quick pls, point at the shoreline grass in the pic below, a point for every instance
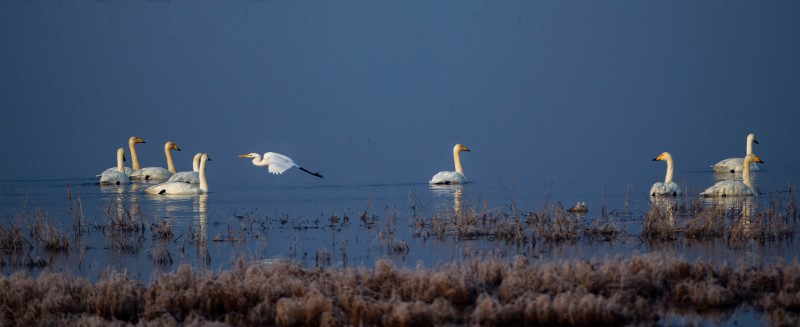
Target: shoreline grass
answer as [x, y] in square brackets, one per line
[642, 289]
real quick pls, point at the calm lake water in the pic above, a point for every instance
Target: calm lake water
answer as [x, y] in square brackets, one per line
[257, 220]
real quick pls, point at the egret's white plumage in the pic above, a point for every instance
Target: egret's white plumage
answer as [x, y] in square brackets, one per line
[734, 165]
[276, 163]
[182, 188]
[668, 187]
[191, 177]
[452, 177]
[158, 173]
[735, 187]
[117, 175]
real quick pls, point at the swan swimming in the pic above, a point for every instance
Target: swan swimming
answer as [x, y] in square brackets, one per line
[116, 176]
[452, 177]
[734, 187]
[133, 140]
[276, 162]
[734, 165]
[158, 173]
[128, 170]
[191, 177]
[668, 187]
[182, 188]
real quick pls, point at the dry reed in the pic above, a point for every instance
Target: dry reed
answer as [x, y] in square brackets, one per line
[643, 289]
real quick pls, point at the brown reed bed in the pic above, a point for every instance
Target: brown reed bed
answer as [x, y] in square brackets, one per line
[736, 222]
[549, 225]
[642, 289]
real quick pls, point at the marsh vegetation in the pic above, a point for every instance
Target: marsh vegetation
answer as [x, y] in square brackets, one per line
[481, 288]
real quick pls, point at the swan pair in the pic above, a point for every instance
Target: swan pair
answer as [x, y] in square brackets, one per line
[183, 188]
[720, 189]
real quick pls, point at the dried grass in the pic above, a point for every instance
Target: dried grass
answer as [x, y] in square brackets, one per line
[736, 222]
[639, 290]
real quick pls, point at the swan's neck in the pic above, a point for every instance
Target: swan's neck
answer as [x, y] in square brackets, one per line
[134, 158]
[196, 163]
[170, 165]
[670, 170]
[120, 165]
[749, 144]
[746, 173]
[202, 173]
[457, 161]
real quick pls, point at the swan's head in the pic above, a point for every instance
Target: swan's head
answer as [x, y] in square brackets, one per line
[133, 140]
[205, 157]
[250, 155]
[459, 148]
[171, 146]
[663, 156]
[752, 158]
[752, 138]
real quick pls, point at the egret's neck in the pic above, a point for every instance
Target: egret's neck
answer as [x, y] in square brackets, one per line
[120, 165]
[749, 145]
[202, 173]
[134, 158]
[257, 161]
[457, 161]
[170, 165]
[670, 170]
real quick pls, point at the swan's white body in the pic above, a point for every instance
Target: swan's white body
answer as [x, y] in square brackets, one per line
[182, 188]
[128, 170]
[276, 163]
[734, 187]
[191, 177]
[452, 177]
[668, 187]
[734, 165]
[117, 175]
[158, 173]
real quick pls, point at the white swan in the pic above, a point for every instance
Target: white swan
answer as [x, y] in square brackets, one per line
[158, 173]
[734, 165]
[668, 187]
[191, 177]
[452, 177]
[276, 162]
[116, 176]
[734, 187]
[128, 170]
[134, 159]
[182, 188]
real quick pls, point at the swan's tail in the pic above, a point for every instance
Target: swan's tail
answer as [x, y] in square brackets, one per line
[315, 174]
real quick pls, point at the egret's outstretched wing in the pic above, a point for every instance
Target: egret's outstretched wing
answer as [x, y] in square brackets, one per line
[278, 163]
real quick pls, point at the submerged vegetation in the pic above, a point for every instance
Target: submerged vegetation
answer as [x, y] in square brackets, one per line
[644, 288]
[497, 290]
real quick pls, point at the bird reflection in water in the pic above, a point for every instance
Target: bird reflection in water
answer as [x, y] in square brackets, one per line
[201, 211]
[442, 195]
